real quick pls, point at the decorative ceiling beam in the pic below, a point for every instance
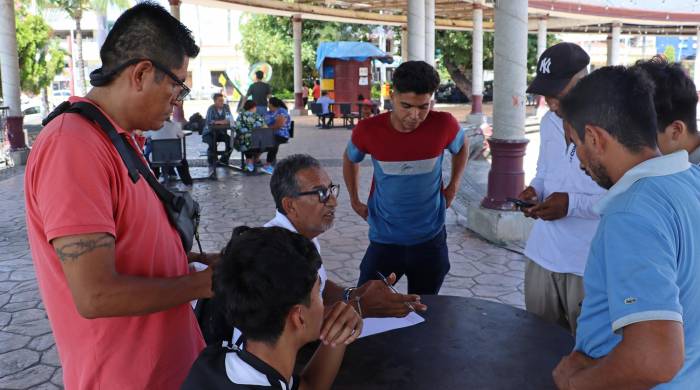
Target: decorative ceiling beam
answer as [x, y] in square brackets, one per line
[308, 11]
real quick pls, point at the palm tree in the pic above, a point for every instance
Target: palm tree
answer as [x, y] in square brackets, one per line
[75, 9]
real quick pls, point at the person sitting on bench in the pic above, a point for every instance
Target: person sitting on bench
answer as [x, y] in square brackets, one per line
[280, 121]
[326, 114]
[248, 120]
[217, 122]
[170, 130]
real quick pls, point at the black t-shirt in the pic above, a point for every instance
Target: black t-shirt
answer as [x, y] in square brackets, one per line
[209, 372]
[259, 91]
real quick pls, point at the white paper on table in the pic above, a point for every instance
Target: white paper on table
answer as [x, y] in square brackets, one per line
[196, 266]
[373, 325]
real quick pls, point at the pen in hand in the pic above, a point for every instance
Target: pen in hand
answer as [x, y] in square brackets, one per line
[394, 290]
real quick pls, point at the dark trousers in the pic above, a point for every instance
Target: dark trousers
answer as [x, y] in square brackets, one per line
[272, 152]
[211, 139]
[327, 120]
[182, 170]
[425, 264]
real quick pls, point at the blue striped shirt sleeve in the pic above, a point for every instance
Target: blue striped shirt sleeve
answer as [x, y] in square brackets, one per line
[354, 154]
[457, 143]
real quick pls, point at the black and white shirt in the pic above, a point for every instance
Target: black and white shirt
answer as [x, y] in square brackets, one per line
[219, 367]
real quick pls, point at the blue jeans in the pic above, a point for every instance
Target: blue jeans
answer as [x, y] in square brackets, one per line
[424, 264]
[262, 110]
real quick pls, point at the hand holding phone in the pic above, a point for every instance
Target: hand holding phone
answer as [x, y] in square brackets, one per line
[520, 203]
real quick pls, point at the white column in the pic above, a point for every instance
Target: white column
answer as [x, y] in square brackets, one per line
[508, 143]
[430, 32]
[696, 68]
[178, 110]
[614, 46]
[416, 30]
[510, 70]
[382, 67]
[101, 31]
[9, 61]
[541, 35]
[404, 43]
[476, 116]
[175, 8]
[299, 108]
[541, 47]
[382, 47]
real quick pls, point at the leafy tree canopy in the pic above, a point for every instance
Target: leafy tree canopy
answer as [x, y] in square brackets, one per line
[269, 38]
[40, 58]
[455, 55]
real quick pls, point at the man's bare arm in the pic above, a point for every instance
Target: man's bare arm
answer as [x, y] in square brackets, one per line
[351, 174]
[650, 353]
[459, 162]
[98, 290]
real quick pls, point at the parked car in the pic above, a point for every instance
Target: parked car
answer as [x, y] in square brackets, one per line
[488, 91]
[449, 93]
[32, 115]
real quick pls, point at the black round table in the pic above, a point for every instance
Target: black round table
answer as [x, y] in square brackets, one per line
[464, 343]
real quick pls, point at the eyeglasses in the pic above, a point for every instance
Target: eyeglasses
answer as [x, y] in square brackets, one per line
[184, 89]
[324, 193]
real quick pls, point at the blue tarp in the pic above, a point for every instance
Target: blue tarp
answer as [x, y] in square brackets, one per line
[356, 51]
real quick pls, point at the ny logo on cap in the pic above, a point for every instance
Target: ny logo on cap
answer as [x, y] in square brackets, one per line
[544, 65]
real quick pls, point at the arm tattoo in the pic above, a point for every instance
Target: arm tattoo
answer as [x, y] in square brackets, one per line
[73, 250]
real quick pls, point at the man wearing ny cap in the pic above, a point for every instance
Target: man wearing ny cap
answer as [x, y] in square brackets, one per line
[563, 197]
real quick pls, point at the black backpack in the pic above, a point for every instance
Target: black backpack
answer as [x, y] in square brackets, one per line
[195, 123]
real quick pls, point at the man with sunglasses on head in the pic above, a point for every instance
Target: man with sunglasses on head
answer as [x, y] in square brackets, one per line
[112, 271]
[306, 199]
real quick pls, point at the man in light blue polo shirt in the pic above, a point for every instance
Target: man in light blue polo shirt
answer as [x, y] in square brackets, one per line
[639, 325]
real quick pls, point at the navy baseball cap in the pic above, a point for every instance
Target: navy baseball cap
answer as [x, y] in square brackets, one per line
[557, 65]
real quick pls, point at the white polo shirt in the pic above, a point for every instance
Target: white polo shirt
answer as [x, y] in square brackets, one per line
[562, 245]
[281, 220]
[219, 368]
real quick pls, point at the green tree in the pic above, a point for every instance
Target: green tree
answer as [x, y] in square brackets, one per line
[670, 53]
[455, 48]
[40, 58]
[75, 10]
[269, 38]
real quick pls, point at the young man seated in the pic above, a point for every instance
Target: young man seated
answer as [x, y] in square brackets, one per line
[327, 114]
[268, 281]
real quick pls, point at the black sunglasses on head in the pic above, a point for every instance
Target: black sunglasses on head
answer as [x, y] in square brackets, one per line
[98, 79]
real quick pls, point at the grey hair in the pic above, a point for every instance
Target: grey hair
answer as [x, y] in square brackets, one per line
[283, 183]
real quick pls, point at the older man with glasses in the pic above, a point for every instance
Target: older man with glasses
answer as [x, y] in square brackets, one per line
[306, 200]
[111, 268]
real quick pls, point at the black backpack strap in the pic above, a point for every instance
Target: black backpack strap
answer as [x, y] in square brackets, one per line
[133, 162]
[60, 109]
[91, 112]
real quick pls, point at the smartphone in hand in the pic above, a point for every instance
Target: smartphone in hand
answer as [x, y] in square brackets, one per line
[520, 203]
